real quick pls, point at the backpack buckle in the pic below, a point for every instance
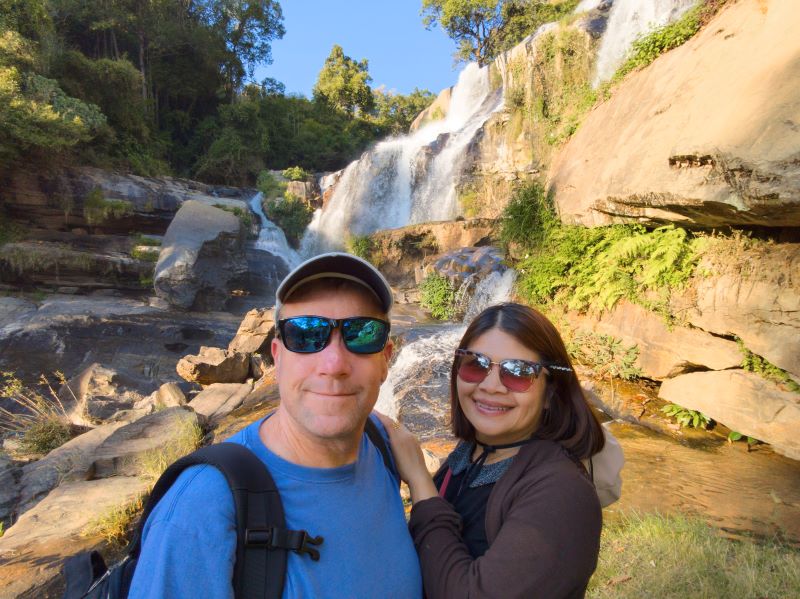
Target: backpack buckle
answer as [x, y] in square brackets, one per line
[274, 537]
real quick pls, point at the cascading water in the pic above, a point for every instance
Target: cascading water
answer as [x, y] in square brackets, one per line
[408, 179]
[628, 20]
[494, 289]
[271, 238]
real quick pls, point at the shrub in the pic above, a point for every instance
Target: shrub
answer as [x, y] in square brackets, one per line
[296, 173]
[360, 245]
[43, 424]
[606, 353]
[686, 417]
[528, 218]
[269, 185]
[97, 209]
[142, 239]
[291, 214]
[438, 295]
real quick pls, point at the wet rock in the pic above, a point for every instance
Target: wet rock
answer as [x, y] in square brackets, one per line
[71, 461]
[255, 333]
[33, 549]
[203, 250]
[120, 453]
[664, 352]
[99, 393]
[218, 400]
[742, 401]
[214, 365]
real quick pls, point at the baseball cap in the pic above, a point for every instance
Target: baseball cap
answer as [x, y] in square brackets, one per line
[336, 265]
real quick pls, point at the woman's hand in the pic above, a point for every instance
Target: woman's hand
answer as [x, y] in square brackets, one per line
[409, 459]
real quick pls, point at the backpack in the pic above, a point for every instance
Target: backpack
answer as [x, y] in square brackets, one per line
[262, 539]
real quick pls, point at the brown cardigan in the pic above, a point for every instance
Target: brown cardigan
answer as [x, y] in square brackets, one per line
[543, 522]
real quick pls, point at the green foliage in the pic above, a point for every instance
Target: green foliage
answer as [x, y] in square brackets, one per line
[528, 218]
[142, 239]
[42, 423]
[360, 245]
[650, 46]
[116, 524]
[691, 559]
[242, 214]
[523, 18]
[269, 185]
[145, 254]
[734, 436]
[296, 173]
[395, 112]
[473, 24]
[606, 354]
[436, 293]
[470, 201]
[686, 417]
[291, 214]
[98, 210]
[344, 83]
[761, 366]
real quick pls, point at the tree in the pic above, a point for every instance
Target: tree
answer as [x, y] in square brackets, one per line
[472, 24]
[396, 112]
[344, 83]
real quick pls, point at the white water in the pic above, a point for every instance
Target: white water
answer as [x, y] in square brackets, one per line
[408, 179]
[271, 238]
[587, 5]
[628, 20]
[494, 289]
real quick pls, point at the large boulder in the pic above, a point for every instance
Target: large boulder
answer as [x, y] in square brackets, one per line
[202, 252]
[217, 401]
[214, 365]
[32, 551]
[742, 401]
[707, 135]
[255, 333]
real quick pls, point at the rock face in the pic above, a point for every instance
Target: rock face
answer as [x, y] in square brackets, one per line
[707, 135]
[727, 396]
[55, 200]
[437, 110]
[255, 333]
[218, 400]
[203, 250]
[214, 365]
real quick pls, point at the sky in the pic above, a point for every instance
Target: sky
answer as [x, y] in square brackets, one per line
[402, 54]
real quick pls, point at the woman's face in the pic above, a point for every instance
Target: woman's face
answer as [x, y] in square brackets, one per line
[498, 414]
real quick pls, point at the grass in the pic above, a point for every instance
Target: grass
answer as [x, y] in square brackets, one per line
[151, 464]
[145, 254]
[98, 210]
[142, 239]
[668, 557]
[360, 245]
[116, 525]
[42, 425]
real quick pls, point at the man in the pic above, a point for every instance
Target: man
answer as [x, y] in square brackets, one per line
[331, 355]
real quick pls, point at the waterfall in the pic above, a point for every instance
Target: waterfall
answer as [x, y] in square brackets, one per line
[494, 289]
[586, 6]
[407, 179]
[271, 238]
[628, 20]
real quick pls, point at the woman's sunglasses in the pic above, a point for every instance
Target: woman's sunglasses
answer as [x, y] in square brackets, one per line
[515, 375]
[311, 334]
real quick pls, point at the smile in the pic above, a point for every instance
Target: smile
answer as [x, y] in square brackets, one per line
[491, 408]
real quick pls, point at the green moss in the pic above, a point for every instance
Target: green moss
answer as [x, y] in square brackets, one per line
[438, 295]
[98, 210]
[761, 366]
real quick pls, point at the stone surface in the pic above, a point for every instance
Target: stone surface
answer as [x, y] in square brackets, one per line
[167, 395]
[119, 453]
[214, 365]
[33, 550]
[99, 393]
[754, 294]
[742, 401]
[255, 333]
[706, 135]
[663, 352]
[71, 461]
[436, 111]
[217, 401]
[8, 488]
[202, 252]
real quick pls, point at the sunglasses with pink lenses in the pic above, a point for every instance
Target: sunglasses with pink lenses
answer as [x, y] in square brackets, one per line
[515, 374]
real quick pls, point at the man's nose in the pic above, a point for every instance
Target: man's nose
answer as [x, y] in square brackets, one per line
[335, 358]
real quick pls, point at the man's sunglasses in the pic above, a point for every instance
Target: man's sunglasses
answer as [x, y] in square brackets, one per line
[515, 375]
[311, 334]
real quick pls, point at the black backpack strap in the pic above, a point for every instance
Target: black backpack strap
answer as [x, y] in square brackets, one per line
[262, 537]
[378, 441]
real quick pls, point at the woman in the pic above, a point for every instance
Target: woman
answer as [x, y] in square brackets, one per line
[515, 514]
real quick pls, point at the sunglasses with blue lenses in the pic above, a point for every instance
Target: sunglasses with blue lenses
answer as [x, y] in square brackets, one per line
[311, 334]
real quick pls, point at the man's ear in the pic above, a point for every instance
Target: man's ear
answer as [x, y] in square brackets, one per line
[275, 349]
[387, 355]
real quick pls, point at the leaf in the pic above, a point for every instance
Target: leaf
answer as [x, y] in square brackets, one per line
[734, 436]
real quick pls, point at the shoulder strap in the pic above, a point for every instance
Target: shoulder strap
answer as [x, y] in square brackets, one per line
[378, 441]
[260, 523]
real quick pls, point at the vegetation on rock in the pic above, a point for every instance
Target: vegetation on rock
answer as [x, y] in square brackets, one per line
[291, 214]
[436, 293]
[361, 246]
[606, 354]
[184, 441]
[98, 210]
[296, 173]
[761, 366]
[686, 417]
[243, 214]
[116, 525]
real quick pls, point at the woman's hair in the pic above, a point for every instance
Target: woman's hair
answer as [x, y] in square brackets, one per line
[567, 419]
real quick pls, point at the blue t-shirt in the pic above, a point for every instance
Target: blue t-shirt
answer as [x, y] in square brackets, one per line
[189, 541]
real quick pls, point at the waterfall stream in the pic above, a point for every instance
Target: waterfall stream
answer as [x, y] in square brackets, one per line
[271, 237]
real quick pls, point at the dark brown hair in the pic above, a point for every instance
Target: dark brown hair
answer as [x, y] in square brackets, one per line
[568, 418]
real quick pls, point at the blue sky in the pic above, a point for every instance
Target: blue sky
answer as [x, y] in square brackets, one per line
[402, 54]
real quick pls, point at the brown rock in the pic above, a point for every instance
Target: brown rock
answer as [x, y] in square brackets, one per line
[218, 400]
[255, 333]
[706, 135]
[742, 401]
[436, 111]
[214, 365]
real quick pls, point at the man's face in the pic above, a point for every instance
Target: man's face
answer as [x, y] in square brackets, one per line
[330, 394]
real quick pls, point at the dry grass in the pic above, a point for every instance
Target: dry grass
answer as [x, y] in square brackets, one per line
[152, 463]
[116, 524]
[42, 425]
[677, 557]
